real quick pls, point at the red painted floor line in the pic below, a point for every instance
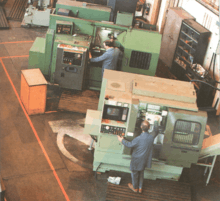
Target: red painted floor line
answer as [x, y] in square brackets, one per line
[35, 132]
[17, 42]
[8, 57]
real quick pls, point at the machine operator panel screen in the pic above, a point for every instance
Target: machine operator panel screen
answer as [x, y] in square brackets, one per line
[116, 113]
[72, 58]
[63, 29]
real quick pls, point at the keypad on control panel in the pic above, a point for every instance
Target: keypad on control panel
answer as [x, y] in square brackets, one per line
[113, 130]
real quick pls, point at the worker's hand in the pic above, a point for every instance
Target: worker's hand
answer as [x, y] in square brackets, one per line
[120, 138]
[90, 55]
[157, 118]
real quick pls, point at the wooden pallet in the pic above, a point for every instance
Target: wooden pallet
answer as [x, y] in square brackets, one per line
[154, 190]
[3, 21]
[18, 10]
[79, 101]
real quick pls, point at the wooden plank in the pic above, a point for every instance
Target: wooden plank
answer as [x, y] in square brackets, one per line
[127, 78]
[167, 103]
[164, 90]
[181, 90]
[124, 97]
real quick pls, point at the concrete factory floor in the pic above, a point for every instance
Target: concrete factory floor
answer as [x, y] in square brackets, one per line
[38, 161]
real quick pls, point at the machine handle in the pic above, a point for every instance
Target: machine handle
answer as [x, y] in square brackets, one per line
[71, 69]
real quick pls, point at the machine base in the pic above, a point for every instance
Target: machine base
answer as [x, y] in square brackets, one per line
[158, 170]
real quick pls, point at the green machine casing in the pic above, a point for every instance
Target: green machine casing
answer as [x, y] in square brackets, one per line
[181, 130]
[92, 22]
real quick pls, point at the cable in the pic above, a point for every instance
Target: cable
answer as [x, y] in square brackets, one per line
[214, 68]
[97, 170]
[211, 62]
[205, 83]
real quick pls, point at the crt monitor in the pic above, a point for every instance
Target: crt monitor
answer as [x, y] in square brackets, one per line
[72, 58]
[116, 113]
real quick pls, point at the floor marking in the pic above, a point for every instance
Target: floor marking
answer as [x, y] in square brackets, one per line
[9, 57]
[17, 42]
[35, 132]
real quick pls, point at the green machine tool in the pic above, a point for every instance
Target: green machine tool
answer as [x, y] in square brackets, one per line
[126, 99]
[77, 28]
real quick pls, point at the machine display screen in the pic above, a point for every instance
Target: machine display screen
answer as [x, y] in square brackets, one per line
[72, 58]
[113, 111]
[186, 132]
[63, 29]
[116, 113]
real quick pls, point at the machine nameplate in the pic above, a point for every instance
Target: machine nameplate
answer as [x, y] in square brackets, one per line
[130, 134]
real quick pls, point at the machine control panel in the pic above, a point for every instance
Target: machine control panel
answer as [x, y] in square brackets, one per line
[113, 130]
[63, 29]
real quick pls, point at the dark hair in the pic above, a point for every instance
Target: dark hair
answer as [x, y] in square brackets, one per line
[145, 125]
[109, 43]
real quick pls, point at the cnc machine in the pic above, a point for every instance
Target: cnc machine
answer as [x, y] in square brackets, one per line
[79, 27]
[126, 100]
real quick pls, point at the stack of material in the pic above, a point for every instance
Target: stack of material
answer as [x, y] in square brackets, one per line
[163, 190]
[79, 101]
[18, 10]
[3, 20]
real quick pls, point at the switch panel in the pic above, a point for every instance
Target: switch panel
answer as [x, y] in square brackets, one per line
[113, 130]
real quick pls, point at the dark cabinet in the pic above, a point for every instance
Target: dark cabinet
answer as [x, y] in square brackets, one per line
[174, 19]
[191, 47]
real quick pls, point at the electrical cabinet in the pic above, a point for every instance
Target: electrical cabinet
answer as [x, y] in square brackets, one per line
[191, 47]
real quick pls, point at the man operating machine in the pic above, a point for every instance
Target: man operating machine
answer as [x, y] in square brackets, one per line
[141, 155]
[110, 58]
[77, 28]
[127, 99]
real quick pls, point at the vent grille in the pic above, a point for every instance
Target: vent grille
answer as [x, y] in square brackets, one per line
[140, 60]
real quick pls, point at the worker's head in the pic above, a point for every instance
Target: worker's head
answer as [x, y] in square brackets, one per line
[108, 44]
[145, 125]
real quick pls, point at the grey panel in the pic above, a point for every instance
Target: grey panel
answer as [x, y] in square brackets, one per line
[67, 75]
[179, 153]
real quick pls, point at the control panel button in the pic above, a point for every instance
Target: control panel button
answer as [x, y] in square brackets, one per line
[113, 130]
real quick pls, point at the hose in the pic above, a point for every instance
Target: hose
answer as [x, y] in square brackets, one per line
[205, 83]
